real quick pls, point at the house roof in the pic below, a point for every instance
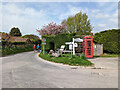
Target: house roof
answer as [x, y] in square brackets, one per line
[9, 38]
[4, 36]
[17, 39]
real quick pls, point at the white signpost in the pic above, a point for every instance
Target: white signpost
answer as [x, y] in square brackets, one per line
[75, 44]
[73, 47]
[44, 40]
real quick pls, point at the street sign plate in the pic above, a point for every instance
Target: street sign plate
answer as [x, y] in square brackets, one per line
[43, 43]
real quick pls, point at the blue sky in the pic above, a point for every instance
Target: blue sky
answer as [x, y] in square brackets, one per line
[29, 16]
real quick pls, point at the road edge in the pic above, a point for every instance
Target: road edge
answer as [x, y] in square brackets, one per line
[63, 65]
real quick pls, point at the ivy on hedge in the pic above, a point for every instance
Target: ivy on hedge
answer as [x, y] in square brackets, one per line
[58, 40]
[109, 39]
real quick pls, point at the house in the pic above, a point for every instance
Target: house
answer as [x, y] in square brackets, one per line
[4, 36]
[19, 39]
[8, 38]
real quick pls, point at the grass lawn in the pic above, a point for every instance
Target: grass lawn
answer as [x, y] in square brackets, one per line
[66, 59]
[108, 55]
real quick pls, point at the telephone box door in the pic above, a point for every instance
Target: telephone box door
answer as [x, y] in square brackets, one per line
[88, 46]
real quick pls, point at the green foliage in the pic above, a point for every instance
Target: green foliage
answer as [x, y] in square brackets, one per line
[108, 55]
[58, 40]
[49, 39]
[14, 50]
[8, 48]
[62, 38]
[35, 39]
[15, 32]
[82, 56]
[109, 39]
[66, 59]
[78, 23]
[18, 43]
[31, 36]
[9, 44]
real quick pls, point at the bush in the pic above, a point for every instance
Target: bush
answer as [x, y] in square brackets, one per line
[109, 39]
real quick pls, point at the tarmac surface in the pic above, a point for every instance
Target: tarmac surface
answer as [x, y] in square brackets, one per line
[27, 70]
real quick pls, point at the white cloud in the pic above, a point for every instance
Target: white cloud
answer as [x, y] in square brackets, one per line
[0, 16]
[102, 15]
[95, 11]
[101, 4]
[100, 19]
[27, 19]
[72, 10]
[101, 25]
[60, 0]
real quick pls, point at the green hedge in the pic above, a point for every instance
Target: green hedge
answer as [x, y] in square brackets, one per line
[35, 39]
[58, 40]
[18, 43]
[49, 38]
[109, 39]
[13, 50]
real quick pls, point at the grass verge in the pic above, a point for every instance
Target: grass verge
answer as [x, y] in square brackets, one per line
[66, 59]
[108, 55]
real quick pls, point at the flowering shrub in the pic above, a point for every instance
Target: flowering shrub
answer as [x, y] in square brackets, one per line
[51, 29]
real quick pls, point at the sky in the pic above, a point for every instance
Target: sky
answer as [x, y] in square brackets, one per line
[29, 16]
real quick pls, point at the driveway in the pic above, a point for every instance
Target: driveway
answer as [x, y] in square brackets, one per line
[105, 62]
[27, 70]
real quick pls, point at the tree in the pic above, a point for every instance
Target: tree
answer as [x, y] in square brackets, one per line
[35, 39]
[15, 32]
[79, 24]
[51, 29]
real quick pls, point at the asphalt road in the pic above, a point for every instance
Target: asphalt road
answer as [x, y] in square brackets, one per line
[27, 70]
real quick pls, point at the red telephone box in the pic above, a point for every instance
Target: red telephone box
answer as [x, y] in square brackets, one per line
[88, 46]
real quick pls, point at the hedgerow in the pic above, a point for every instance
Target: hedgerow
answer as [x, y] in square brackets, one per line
[109, 39]
[58, 40]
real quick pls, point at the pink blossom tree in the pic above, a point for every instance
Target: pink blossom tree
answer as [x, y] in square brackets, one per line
[51, 29]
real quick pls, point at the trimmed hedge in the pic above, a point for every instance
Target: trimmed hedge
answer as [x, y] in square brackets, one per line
[109, 39]
[49, 38]
[58, 40]
[8, 48]
[13, 50]
[18, 43]
[35, 39]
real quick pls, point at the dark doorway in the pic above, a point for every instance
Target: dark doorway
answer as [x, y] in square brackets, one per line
[52, 46]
